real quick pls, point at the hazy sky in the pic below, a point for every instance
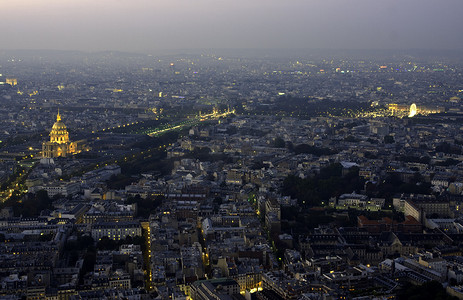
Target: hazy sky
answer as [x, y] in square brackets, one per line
[146, 25]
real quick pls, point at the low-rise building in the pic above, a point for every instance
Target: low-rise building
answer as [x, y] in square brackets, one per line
[115, 230]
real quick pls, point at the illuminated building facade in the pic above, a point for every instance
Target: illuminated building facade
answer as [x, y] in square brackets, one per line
[12, 81]
[59, 144]
[399, 109]
[402, 110]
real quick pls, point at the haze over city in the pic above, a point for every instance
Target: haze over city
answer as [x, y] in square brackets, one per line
[147, 25]
[232, 150]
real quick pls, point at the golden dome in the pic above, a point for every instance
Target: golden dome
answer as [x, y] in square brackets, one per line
[59, 126]
[59, 133]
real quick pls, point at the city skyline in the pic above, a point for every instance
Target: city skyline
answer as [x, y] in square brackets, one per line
[256, 150]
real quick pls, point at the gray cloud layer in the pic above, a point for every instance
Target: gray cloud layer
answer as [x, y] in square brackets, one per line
[147, 25]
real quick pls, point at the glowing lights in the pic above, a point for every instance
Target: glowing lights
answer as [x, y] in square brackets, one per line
[11, 81]
[413, 110]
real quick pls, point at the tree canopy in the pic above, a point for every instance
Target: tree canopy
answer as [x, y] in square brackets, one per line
[328, 183]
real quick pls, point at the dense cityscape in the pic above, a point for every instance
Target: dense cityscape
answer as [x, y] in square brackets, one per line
[231, 175]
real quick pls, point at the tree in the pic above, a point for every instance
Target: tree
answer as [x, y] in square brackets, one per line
[119, 181]
[257, 165]
[88, 264]
[106, 243]
[389, 139]
[318, 151]
[448, 148]
[329, 183]
[218, 200]
[351, 139]
[279, 143]
[29, 205]
[431, 290]
[145, 206]
[232, 130]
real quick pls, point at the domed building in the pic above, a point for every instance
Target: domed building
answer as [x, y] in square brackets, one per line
[59, 144]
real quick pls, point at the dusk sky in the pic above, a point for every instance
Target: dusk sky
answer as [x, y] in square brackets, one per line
[150, 25]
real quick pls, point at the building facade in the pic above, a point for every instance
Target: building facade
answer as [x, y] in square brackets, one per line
[59, 144]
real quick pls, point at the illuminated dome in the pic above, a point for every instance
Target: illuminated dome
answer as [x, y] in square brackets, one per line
[59, 144]
[59, 133]
[413, 110]
[59, 126]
